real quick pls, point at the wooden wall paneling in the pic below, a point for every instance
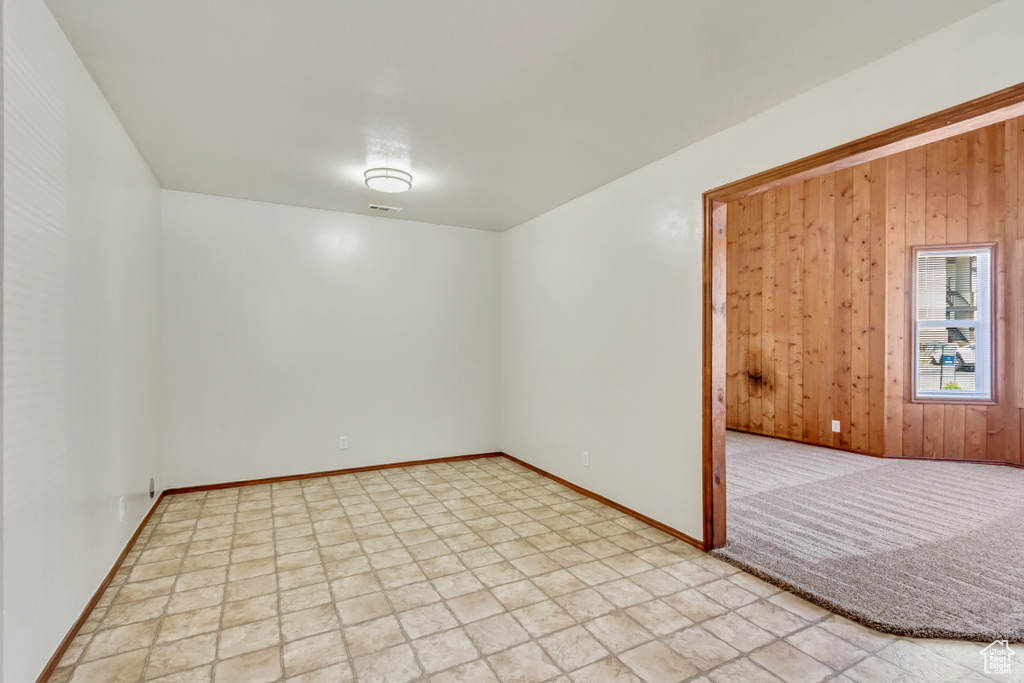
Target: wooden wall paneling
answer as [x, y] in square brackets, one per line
[732, 226]
[827, 322]
[913, 413]
[768, 272]
[860, 366]
[812, 290]
[797, 239]
[756, 279]
[876, 332]
[896, 301]
[844, 301]
[935, 233]
[781, 374]
[819, 278]
[743, 319]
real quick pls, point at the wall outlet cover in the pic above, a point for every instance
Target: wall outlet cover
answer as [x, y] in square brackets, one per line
[343, 442]
[835, 426]
[586, 459]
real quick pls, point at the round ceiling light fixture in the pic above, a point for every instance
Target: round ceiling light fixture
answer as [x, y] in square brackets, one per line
[388, 180]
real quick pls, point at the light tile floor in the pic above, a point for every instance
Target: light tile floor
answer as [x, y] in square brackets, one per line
[474, 571]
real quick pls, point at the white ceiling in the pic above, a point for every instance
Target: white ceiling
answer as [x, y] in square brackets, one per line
[501, 109]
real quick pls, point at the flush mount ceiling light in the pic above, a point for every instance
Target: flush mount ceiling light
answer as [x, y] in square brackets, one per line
[388, 180]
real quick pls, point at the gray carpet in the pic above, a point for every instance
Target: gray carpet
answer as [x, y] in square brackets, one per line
[914, 548]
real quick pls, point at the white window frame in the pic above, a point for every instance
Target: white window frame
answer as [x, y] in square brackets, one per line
[984, 325]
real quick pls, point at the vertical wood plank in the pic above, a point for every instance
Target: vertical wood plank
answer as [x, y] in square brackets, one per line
[896, 302]
[768, 314]
[743, 319]
[781, 374]
[732, 314]
[860, 366]
[827, 328]
[755, 355]
[812, 290]
[913, 413]
[797, 239]
[844, 301]
[876, 316]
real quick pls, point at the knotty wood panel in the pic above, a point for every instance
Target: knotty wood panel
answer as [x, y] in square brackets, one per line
[811, 247]
[818, 324]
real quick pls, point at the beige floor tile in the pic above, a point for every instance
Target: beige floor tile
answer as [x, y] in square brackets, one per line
[827, 648]
[426, 620]
[474, 606]
[496, 633]
[474, 672]
[694, 605]
[187, 624]
[122, 668]
[121, 639]
[182, 654]
[445, 650]
[412, 596]
[772, 618]
[336, 673]
[618, 632]
[738, 632]
[394, 665]
[308, 622]
[654, 661]
[572, 648]
[263, 666]
[610, 670]
[202, 674]
[315, 652]
[249, 637]
[744, 671]
[518, 594]
[790, 664]
[542, 618]
[373, 636]
[658, 617]
[701, 648]
[525, 663]
[252, 609]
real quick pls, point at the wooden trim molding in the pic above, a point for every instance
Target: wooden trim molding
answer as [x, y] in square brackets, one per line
[977, 113]
[51, 665]
[714, 351]
[664, 528]
[912, 347]
[328, 473]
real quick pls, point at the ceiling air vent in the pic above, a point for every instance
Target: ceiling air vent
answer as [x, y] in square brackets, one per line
[385, 209]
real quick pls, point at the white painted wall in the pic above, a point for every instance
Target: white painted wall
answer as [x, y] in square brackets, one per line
[286, 328]
[80, 336]
[601, 297]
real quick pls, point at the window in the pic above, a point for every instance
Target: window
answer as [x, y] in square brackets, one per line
[953, 324]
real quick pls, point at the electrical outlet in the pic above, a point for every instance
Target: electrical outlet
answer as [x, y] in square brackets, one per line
[343, 443]
[120, 509]
[835, 426]
[586, 459]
